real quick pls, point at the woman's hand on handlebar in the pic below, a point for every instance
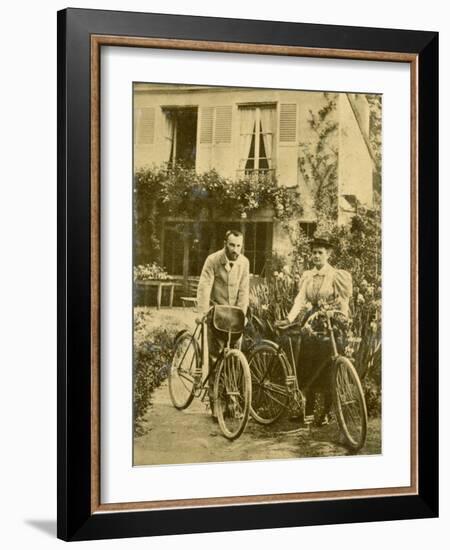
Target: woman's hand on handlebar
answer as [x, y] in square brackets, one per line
[307, 329]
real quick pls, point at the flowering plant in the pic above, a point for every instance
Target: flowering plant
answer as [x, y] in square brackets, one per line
[150, 272]
[182, 191]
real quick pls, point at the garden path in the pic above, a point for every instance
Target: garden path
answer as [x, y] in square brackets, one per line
[190, 436]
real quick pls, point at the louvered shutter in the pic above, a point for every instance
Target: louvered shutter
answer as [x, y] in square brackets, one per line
[206, 124]
[145, 125]
[288, 122]
[223, 124]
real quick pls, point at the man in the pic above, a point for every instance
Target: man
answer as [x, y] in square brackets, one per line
[224, 281]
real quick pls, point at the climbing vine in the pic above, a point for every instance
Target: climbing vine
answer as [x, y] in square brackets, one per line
[318, 159]
[181, 192]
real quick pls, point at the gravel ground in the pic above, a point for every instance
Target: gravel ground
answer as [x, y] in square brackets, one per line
[170, 436]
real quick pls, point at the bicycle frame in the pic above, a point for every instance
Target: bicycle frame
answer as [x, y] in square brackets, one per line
[201, 335]
[276, 379]
[291, 379]
[230, 395]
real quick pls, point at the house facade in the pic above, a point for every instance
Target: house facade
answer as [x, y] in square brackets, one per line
[244, 133]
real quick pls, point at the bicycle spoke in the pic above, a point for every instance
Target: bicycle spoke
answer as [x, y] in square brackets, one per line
[269, 393]
[232, 395]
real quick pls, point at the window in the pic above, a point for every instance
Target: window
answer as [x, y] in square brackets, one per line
[308, 228]
[181, 135]
[186, 244]
[257, 125]
[258, 245]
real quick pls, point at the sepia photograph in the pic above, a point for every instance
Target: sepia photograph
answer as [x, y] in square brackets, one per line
[257, 274]
[247, 274]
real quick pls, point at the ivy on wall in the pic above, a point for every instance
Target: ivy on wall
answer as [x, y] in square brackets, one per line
[180, 192]
[318, 159]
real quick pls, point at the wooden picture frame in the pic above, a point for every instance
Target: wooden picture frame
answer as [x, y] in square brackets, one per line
[81, 35]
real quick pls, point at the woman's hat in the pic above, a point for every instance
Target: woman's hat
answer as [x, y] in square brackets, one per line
[321, 242]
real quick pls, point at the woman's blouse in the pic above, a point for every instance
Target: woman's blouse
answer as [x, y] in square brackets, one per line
[326, 284]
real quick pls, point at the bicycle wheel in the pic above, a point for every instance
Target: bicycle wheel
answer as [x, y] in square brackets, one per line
[350, 404]
[232, 393]
[186, 359]
[270, 395]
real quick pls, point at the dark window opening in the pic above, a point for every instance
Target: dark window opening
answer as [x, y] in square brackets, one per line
[309, 228]
[182, 133]
[186, 245]
[172, 254]
[257, 244]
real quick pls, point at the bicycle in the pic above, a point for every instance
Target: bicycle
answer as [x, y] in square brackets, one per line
[232, 384]
[276, 388]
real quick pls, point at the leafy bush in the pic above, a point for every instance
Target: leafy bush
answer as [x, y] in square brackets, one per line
[271, 299]
[152, 357]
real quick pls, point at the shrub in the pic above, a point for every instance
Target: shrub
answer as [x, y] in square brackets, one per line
[152, 357]
[271, 300]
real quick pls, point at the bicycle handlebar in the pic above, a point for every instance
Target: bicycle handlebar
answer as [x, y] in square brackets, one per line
[202, 317]
[311, 318]
[327, 312]
[286, 327]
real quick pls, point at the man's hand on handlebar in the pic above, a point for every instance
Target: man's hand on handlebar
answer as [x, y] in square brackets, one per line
[201, 315]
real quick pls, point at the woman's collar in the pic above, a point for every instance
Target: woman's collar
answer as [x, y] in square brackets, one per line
[323, 270]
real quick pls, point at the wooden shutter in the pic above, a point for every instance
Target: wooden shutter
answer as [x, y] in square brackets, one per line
[145, 125]
[223, 124]
[288, 122]
[206, 124]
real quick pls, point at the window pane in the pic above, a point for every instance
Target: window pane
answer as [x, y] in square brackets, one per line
[202, 243]
[250, 164]
[257, 245]
[173, 250]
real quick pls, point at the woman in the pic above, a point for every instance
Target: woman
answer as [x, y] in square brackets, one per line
[323, 283]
